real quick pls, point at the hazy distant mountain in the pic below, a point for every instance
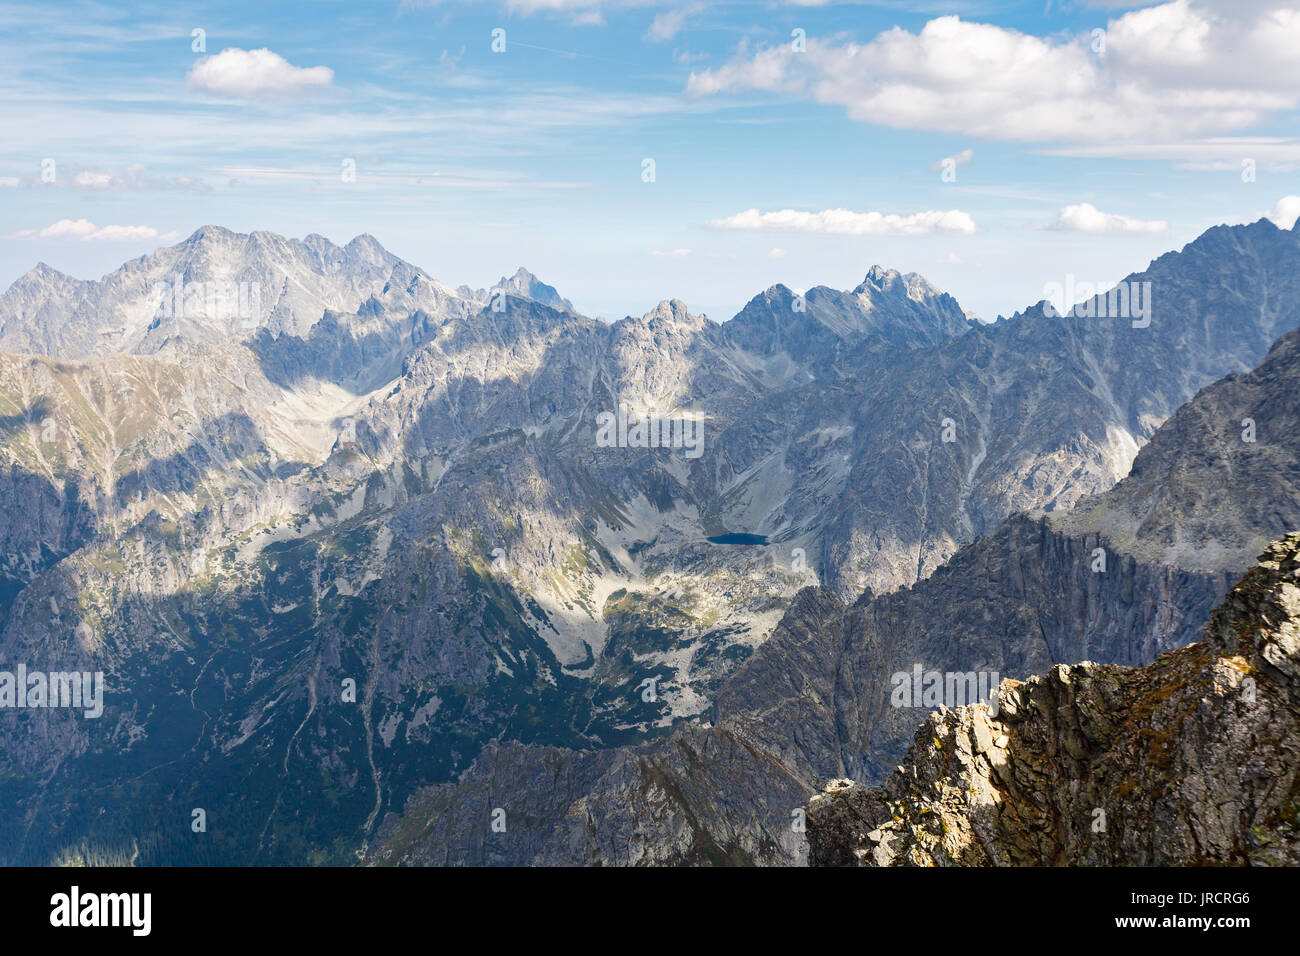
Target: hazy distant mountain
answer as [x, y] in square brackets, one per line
[129, 310]
[815, 329]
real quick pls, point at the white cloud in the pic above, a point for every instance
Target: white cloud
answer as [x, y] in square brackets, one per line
[1285, 213]
[777, 253]
[675, 254]
[1085, 217]
[86, 231]
[253, 74]
[845, 222]
[69, 229]
[123, 233]
[666, 25]
[955, 160]
[1167, 72]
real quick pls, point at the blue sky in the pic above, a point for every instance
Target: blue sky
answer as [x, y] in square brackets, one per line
[1087, 138]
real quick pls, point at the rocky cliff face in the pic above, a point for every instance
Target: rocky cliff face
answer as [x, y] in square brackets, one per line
[1217, 482]
[1191, 760]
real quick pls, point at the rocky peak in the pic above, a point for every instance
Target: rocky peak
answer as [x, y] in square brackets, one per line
[672, 312]
[527, 286]
[879, 275]
[367, 248]
[891, 282]
[208, 233]
[43, 270]
[888, 309]
[41, 276]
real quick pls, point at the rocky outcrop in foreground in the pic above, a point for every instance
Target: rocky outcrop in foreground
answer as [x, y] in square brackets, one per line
[1191, 760]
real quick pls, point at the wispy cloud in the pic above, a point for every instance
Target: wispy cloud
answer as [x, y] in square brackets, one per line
[86, 231]
[134, 176]
[435, 179]
[845, 222]
[668, 24]
[1277, 154]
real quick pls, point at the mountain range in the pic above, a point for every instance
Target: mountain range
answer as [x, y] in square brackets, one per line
[359, 572]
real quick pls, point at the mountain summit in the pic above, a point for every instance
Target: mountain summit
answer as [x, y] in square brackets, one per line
[218, 284]
[525, 285]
